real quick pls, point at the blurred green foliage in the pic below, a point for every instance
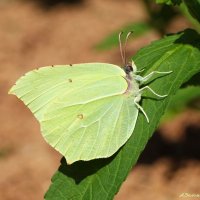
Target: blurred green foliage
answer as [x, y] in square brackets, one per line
[194, 8]
[159, 17]
[111, 40]
[169, 2]
[184, 98]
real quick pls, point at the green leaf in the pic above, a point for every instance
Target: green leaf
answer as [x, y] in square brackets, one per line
[181, 100]
[101, 179]
[169, 2]
[111, 41]
[193, 8]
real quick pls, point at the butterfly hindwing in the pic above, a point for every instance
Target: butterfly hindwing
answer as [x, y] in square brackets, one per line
[93, 130]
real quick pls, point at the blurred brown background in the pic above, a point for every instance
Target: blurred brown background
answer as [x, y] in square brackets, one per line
[40, 33]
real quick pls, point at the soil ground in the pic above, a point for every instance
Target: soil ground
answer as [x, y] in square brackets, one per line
[33, 36]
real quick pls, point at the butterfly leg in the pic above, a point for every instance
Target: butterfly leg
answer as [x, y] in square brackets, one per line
[147, 77]
[141, 109]
[148, 88]
[137, 99]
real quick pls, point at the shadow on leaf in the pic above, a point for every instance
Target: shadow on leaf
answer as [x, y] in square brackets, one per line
[189, 37]
[82, 169]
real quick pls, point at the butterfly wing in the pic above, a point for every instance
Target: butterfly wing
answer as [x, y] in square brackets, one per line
[82, 109]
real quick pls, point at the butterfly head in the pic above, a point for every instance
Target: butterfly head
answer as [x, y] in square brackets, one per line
[128, 68]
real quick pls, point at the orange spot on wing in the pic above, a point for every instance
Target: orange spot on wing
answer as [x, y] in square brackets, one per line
[80, 116]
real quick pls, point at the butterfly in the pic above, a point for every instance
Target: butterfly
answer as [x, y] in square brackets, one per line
[86, 111]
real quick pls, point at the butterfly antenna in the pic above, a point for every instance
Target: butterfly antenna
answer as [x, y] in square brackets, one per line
[127, 37]
[120, 47]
